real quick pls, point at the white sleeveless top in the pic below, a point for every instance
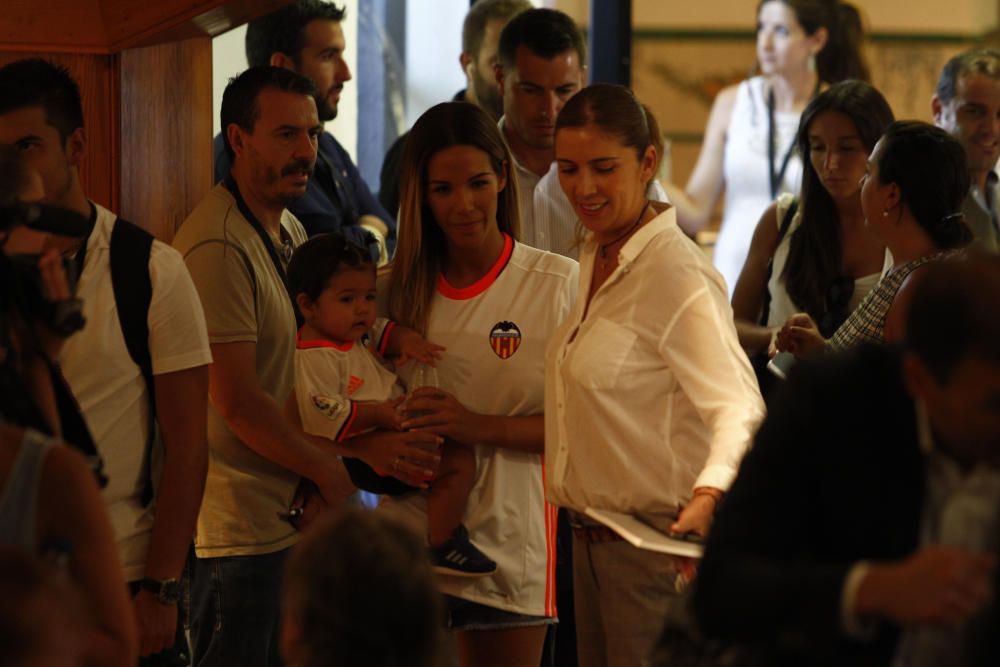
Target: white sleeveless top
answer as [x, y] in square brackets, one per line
[781, 304]
[745, 167]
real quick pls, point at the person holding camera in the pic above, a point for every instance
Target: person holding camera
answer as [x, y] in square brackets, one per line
[138, 369]
[50, 505]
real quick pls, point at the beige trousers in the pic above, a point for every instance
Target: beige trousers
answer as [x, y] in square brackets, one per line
[622, 594]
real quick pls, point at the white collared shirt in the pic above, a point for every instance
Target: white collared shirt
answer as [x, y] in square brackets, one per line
[527, 180]
[650, 395]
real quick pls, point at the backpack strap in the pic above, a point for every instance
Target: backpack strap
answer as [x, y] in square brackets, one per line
[133, 288]
[786, 222]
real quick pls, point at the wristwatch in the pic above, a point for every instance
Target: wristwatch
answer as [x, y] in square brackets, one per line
[167, 591]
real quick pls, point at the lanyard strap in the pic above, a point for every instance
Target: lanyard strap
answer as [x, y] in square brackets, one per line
[778, 176]
[332, 181]
[265, 238]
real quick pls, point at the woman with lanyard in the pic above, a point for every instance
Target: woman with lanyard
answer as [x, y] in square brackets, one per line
[749, 144]
[649, 400]
[460, 277]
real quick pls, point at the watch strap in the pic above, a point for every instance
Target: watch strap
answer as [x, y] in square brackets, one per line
[167, 591]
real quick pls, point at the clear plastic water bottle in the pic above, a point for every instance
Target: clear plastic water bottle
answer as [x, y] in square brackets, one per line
[423, 375]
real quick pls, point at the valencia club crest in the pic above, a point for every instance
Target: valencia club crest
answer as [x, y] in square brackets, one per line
[505, 338]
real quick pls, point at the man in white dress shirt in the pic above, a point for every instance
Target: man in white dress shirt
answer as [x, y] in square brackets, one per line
[540, 67]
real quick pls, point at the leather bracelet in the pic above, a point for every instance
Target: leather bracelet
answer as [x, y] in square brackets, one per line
[715, 494]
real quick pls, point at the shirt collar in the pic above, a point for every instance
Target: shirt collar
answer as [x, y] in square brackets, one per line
[665, 218]
[986, 198]
[925, 437]
[991, 190]
[521, 169]
[100, 235]
[937, 456]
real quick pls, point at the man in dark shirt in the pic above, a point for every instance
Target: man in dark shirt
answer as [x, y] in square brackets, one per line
[306, 37]
[861, 528]
[480, 38]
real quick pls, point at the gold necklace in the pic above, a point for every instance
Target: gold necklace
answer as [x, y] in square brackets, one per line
[603, 248]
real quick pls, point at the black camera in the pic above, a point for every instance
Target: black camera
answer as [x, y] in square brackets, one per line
[21, 293]
[25, 310]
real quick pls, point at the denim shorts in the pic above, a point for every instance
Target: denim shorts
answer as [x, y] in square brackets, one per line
[468, 615]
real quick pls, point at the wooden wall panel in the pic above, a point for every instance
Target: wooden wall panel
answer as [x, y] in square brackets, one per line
[109, 26]
[147, 111]
[97, 76]
[52, 26]
[166, 132]
[131, 24]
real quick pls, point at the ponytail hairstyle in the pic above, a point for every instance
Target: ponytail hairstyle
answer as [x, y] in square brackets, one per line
[814, 253]
[928, 166]
[655, 137]
[841, 57]
[420, 248]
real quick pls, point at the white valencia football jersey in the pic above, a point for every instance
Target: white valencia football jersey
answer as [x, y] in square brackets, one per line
[330, 379]
[495, 332]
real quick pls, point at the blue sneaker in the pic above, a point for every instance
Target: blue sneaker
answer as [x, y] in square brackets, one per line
[460, 558]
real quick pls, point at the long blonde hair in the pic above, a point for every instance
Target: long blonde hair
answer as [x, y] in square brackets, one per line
[421, 245]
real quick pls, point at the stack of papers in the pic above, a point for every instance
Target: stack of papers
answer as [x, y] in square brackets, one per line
[644, 536]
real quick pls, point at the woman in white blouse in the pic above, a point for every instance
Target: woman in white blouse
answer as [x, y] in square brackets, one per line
[650, 402]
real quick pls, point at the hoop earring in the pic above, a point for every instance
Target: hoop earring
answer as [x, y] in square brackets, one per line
[811, 63]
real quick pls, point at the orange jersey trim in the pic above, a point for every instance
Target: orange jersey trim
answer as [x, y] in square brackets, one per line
[484, 283]
[310, 344]
[345, 430]
[551, 522]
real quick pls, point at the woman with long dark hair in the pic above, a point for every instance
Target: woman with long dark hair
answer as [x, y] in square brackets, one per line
[813, 253]
[802, 46]
[461, 279]
[912, 197]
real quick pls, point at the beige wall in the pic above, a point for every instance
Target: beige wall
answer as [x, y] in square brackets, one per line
[685, 51]
[905, 16]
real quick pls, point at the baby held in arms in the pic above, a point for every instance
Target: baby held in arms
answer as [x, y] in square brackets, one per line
[343, 387]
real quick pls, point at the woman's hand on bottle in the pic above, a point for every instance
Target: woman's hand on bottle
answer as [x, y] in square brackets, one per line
[411, 457]
[441, 413]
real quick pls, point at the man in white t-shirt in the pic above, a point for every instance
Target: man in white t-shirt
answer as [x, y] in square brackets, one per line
[153, 514]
